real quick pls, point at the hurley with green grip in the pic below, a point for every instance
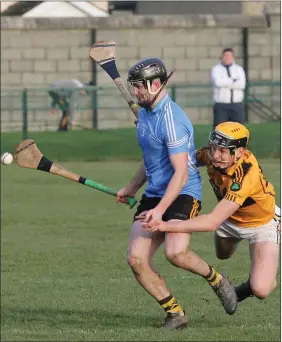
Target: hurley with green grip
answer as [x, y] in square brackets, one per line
[29, 156]
[131, 200]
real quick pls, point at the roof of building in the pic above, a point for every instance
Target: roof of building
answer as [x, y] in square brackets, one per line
[43, 9]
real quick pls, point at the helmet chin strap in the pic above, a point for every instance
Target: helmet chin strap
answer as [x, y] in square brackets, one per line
[150, 91]
[147, 104]
[213, 160]
[157, 93]
[235, 155]
[223, 169]
[222, 162]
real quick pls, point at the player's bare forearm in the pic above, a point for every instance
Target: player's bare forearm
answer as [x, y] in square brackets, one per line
[173, 189]
[139, 179]
[205, 223]
[201, 223]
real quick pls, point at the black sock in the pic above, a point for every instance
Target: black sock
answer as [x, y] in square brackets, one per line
[244, 291]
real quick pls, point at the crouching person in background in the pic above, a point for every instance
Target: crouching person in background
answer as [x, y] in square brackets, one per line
[65, 94]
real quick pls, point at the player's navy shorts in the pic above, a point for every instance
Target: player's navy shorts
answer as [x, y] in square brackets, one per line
[183, 208]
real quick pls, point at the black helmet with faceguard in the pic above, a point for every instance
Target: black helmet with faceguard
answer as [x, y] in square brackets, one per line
[147, 69]
[142, 74]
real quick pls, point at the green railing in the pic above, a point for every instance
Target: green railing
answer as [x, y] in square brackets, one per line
[24, 108]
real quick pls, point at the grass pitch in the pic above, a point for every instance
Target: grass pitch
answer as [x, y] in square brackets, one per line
[121, 144]
[65, 275]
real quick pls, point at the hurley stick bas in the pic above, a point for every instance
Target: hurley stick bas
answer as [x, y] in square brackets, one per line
[29, 156]
[103, 53]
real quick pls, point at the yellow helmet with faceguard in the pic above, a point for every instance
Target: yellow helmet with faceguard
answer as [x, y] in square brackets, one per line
[231, 135]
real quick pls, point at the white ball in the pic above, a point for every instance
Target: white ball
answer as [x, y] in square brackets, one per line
[6, 158]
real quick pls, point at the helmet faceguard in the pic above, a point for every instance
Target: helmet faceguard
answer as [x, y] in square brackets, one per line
[141, 84]
[143, 73]
[222, 140]
[228, 135]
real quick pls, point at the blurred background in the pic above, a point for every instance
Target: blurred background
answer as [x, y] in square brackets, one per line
[44, 42]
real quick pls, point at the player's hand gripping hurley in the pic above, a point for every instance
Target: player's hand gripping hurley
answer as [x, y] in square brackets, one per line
[29, 156]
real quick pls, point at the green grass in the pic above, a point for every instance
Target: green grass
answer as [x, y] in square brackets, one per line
[65, 275]
[121, 144]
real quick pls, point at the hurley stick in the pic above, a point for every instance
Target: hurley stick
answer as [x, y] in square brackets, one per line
[103, 53]
[29, 156]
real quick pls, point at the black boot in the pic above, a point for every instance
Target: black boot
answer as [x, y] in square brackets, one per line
[243, 291]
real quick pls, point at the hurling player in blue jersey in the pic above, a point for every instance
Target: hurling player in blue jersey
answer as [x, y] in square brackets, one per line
[174, 192]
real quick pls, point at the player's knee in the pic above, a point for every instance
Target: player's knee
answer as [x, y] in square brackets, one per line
[223, 253]
[262, 291]
[177, 258]
[135, 263]
[223, 256]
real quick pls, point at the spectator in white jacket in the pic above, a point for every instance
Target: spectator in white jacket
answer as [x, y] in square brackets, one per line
[229, 82]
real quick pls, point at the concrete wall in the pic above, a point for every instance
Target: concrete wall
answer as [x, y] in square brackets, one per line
[35, 52]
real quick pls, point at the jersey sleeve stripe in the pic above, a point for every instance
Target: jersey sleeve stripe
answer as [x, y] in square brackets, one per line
[230, 197]
[166, 124]
[178, 143]
[169, 124]
[172, 122]
[239, 174]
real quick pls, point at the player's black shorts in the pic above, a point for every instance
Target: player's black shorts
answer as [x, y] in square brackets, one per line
[183, 208]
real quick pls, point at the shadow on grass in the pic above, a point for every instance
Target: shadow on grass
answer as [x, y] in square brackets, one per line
[84, 319]
[98, 318]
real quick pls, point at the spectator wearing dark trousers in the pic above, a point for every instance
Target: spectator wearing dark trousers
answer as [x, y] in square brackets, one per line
[229, 82]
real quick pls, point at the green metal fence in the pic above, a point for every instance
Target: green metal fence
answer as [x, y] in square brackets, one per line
[25, 109]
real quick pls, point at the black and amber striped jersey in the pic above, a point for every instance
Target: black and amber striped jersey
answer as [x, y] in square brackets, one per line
[243, 183]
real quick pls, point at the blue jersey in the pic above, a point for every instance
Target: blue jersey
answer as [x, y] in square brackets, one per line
[164, 131]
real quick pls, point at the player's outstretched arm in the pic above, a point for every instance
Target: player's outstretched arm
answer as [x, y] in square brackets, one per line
[203, 223]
